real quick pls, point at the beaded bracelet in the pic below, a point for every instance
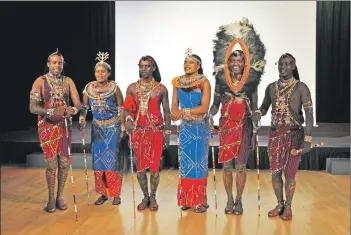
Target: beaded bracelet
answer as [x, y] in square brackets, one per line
[75, 110]
[50, 112]
[308, 138]
[186, 113]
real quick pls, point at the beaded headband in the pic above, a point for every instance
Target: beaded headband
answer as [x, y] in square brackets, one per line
[189, 53]
[148, 59]
[55, 53]
[286, 55]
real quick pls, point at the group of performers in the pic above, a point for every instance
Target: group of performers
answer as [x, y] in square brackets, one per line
[139, 115]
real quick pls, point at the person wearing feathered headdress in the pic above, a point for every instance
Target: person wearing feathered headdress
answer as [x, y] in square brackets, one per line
[49, 99]
[238, 75]
[150, 129]
[288, 96]
[105, 99]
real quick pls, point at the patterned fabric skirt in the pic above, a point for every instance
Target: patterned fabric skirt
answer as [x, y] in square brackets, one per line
[53, 139]
[147, 147]
[104, 147]
[235, 131]
[281, 141]
[111, 180]
[235, 143]
[194, 143]
[106, 162]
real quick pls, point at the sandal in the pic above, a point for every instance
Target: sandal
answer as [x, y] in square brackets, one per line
[238, 209]
[153, 204]
[184, 208]
[50, 207]
[287, 214]
[200, 209]
[60, 204]
[278, 210]
[116, 201]
[145, 203]
[229, 209]
[101, 200]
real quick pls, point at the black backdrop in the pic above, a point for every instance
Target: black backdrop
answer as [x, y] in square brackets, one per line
[333, 62]
[30, 31]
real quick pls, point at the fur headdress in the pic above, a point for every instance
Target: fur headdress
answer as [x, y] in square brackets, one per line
[244, 31]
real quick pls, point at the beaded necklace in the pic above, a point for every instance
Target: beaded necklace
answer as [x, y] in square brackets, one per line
[283, 93]
[185, 82]
[57, 88]
[145, 90]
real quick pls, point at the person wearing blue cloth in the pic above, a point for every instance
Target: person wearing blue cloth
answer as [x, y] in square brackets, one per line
[190, 104]
[105, 100]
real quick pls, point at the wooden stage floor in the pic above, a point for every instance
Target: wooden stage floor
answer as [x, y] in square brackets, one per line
[321, 205]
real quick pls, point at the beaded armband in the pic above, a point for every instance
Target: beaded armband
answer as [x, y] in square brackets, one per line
[308, 105]
[35, 95]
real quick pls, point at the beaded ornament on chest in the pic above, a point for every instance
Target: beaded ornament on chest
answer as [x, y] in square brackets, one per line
[99, 95]
[283, 91]
[101, 92]
[145, 90]
[58, 88]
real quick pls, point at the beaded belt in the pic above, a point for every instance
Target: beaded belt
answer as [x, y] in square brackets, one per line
[286, 127]
[194, 117]
[108, 122]
[193, 122]
[150, 128]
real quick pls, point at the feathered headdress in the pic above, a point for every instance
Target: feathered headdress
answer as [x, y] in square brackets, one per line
[242, 31]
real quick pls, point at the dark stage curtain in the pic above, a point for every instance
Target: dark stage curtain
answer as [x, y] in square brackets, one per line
[333, 62]
[30, 31]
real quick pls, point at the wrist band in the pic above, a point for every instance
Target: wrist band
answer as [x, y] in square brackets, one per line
[308, 138]
[186, 112]
[75, 110]
[50, 112]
